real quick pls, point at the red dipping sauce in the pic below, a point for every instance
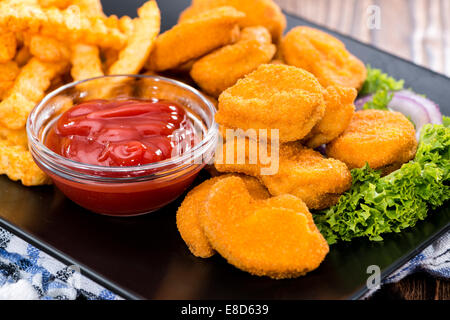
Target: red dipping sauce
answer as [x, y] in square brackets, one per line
[124, 133]
[116, 133]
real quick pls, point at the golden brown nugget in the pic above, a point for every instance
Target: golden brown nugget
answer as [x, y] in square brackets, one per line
[259, 33]
[279, 97]
[324, 56]
[16, 162]
[383, 139]
[14, 137]
[8, 46]
[338, 114]
[300, 171]
[195, 37]
[258, 13]
[259, 238]
[188, 213]
[28, 89]
[222, 68]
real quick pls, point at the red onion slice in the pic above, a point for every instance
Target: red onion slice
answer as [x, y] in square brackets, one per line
[418, 108]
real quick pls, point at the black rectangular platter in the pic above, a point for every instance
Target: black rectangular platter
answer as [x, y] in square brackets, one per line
[144, 257]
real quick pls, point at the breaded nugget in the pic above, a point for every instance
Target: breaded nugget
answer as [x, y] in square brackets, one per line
[324, 56]
[14, 137]
[16, 162]
[299, 171]
[273, 97]
[195, 37]
[258, 236]
[256, 33]
[258, 13]
[338, 114]
[222, 68]
[188, 213]
[383, 139]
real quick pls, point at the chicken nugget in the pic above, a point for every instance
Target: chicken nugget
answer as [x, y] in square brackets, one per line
[279, 97]
[257, 13]
[257, 237]
[188, 213]
[222, 68]
[28, 89]
[146, 27]
[338, 114]
[8, 45]
[383, 139]
[195, 37]
[299, 171]
[324, 56]
[16, 162]
[22, 56]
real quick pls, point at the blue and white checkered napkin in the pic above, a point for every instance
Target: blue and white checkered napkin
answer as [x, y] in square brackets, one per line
[29, 273]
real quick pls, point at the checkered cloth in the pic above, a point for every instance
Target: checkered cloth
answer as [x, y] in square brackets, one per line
[27, 273]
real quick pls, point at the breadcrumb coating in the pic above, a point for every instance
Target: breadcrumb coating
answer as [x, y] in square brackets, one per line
[324, 56]
[195, 37]
[194, 203]
[260, 237]
[380, 138]
[258, 13]
[274, 96]
[338, 114]
[302, 172]
[222, 68]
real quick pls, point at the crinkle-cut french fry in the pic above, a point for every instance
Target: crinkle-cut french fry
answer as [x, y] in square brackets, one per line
[90, 7]
[48, 49]
[14, 137]
[60, 4]
[17, 163]
[8, 45]
[86, 62]
[8, 73]
[28, 89]
[146, 28]
[69, 25]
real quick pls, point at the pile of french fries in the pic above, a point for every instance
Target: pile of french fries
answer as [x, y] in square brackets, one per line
[46, 43]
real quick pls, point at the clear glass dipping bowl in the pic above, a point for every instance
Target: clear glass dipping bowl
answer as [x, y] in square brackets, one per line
[123, 191]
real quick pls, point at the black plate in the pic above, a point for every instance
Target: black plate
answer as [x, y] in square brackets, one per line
[144, 257]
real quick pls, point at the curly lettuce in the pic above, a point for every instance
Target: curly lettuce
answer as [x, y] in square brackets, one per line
[381, 86]
[375, 205]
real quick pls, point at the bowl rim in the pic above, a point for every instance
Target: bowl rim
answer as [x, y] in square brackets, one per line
[198, 150]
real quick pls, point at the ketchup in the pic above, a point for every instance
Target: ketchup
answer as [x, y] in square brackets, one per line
[122, 132]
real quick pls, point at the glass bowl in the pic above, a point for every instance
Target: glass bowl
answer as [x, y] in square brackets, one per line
[123, 191]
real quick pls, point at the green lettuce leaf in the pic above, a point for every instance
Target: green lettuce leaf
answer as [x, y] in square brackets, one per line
[377, 80]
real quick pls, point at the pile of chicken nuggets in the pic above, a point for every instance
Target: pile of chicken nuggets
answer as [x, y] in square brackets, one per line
[295, 92]
[286, 96]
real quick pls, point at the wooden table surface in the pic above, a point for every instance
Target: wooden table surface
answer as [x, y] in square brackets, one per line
[417, 30]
